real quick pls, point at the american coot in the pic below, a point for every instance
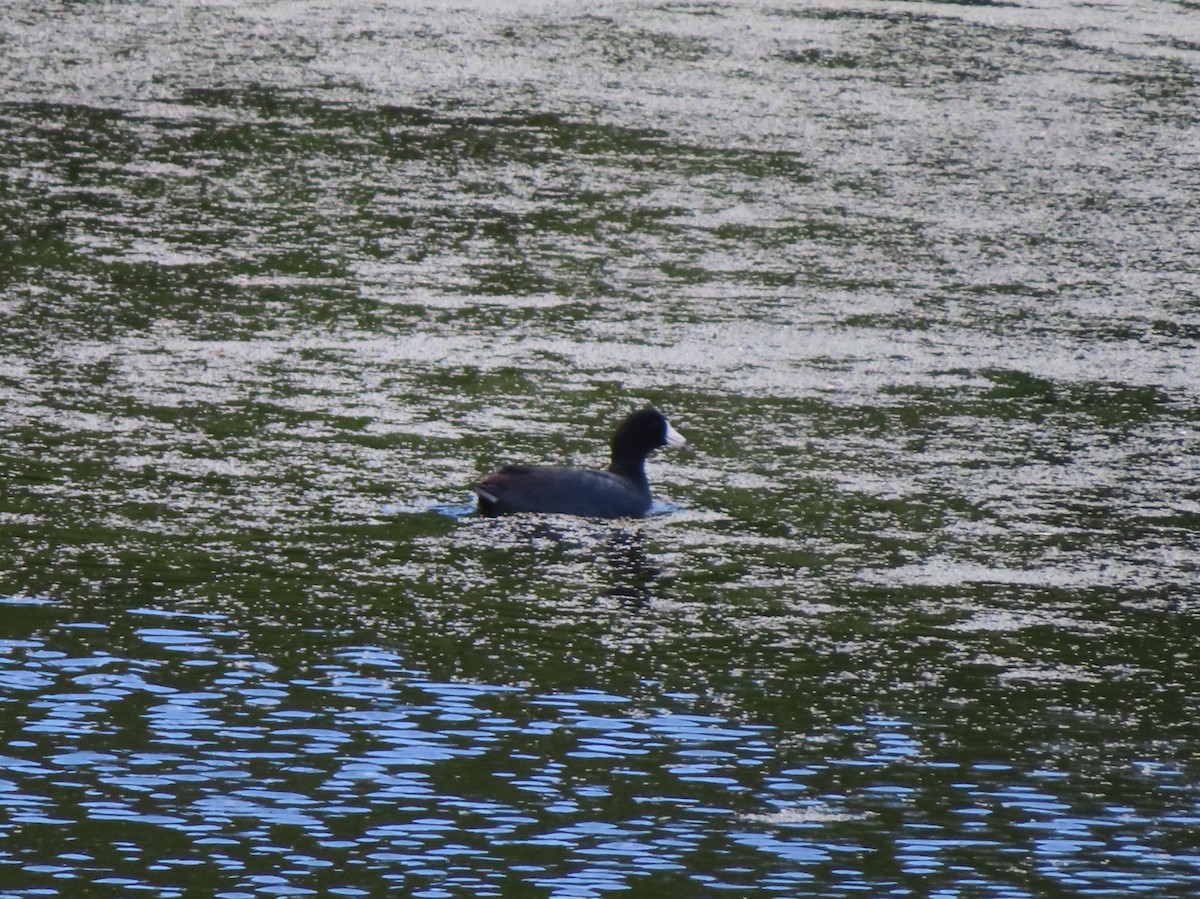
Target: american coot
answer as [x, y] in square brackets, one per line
[622, 490]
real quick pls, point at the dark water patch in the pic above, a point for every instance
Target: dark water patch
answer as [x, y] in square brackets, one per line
[816, 56]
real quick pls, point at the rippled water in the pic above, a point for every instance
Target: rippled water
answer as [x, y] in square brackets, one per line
[918, 615]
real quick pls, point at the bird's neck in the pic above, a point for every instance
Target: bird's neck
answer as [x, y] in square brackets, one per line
[632, 469]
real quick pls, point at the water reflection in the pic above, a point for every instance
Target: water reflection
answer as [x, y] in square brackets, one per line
[360, 770]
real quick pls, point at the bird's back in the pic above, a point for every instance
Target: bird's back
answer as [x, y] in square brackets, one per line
[571, 491]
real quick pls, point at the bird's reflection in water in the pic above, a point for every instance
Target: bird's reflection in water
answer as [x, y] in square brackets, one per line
[526, 549]
[635, 578]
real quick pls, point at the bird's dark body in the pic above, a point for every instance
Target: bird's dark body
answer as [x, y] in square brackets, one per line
[620, 491]
[544, 488]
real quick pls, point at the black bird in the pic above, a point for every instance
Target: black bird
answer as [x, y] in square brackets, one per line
[618, 492]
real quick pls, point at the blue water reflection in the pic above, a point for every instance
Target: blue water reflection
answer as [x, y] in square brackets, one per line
[361, 770]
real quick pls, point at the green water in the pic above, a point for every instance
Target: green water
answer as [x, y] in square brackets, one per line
[917, 617]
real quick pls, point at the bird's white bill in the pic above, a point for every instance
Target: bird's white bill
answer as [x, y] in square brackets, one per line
[675, 439]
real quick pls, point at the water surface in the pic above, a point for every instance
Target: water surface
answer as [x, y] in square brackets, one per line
[917, 617]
